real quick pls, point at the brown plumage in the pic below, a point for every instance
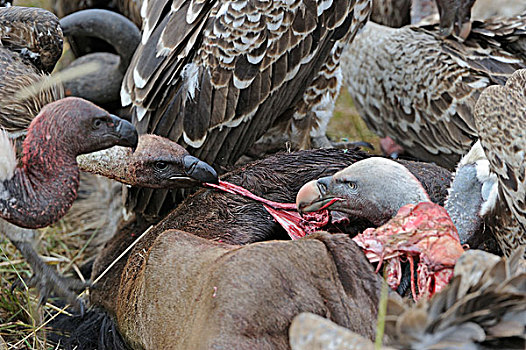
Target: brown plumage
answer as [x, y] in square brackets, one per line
[421, 90]
[216, 75]
[483, 307]
[34, 33]
[131, 9]
[26, 35]
[18, 77]
[500, 116]
[391, 13]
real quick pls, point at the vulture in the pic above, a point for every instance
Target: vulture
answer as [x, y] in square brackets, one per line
[469, 203]
[484, 307]
[420, 88]
[488, 191]
[214, 76]
[224, 221]
[156, 162]
[40, 190]
[31, 45]
[32, 41]
[500, 118]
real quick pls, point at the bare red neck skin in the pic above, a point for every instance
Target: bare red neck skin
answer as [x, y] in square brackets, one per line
[44, 187]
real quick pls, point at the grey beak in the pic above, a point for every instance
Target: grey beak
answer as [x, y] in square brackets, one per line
[127, 133]
[199, 170]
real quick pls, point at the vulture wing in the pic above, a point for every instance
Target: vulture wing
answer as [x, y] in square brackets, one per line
[33, 32]
[500, 116]
[421, 90]
[215, 75]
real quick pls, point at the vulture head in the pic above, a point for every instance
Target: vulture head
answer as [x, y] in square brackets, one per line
[372, 189]
[42, 188]
[156, 163]
[77, 127]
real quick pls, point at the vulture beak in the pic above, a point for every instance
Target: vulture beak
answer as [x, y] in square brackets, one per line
[199, 170]
[126, 132]
[314, 196]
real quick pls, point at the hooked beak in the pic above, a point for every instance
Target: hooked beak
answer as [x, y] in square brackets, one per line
[199, 171]
[313, 195]
[126, 133]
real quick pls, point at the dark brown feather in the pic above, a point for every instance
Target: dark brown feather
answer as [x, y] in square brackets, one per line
[420, 89]
[500, 115]
[34, 33]
[254, 59]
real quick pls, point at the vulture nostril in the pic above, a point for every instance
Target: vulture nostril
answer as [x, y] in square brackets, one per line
[191, 168]
[322, 187]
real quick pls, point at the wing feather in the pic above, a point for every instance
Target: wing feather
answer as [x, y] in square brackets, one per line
[421, 90]
[255, 59]
[34, 33]
[501, 123]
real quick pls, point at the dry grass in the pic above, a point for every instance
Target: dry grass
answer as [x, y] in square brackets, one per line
[346, 123]
[45, 4]
[61, 245]
[20, 318]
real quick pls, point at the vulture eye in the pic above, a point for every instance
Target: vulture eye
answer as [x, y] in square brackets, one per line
[161, 165]
[352, 185]
[97, 123]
